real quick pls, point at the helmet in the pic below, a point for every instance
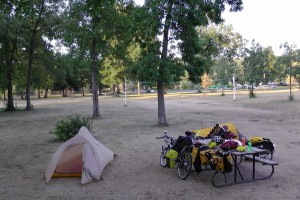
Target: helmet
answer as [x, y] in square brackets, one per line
[217, 138]
[212, 144]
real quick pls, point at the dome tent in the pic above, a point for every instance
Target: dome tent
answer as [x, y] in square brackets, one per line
[82, 155]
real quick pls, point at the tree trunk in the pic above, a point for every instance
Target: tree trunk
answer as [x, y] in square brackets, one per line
[113, 89]
[39, 92]
[116, 90]
[10, 100]
[22, 94]
[223, 92]
[46, 92]
[82, 85]
[162, 120]
[199, 88]
[29, 72]
[96, 112]
[31, 49]
[290, 83]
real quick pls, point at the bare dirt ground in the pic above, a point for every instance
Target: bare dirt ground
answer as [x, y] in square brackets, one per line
[27, 146]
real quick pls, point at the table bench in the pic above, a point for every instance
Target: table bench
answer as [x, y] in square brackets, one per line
[254, 156]
[264, 161]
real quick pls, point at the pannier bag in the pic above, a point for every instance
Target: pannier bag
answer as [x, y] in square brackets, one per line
[221, 163]
[181, 142]
[171, 156]
[262, 143]
[256, 139]
[196, 159]
[201, 157]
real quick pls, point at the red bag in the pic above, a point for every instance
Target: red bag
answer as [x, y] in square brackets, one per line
[229, 145]
[229, 135]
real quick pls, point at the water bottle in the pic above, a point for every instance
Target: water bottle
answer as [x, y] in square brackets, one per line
[243, 141]
[249, 146]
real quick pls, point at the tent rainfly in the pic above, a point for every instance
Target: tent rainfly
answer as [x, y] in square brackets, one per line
[82, 155]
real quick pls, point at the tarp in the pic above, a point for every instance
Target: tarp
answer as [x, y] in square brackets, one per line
[204, 132]
[82, 155]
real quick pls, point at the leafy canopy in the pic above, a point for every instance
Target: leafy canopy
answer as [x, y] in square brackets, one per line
[172, 24]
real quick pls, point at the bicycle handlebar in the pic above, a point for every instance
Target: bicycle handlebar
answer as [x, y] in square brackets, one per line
[165, 137]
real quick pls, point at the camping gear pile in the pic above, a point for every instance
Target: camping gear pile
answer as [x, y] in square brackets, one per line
[210, 144]
[228, 131]
[209, 147]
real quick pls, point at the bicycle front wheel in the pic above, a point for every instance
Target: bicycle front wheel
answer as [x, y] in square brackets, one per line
[184, 165]
[163, 159]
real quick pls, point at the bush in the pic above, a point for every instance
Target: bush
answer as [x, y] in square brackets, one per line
[186, 85]
[66, 129]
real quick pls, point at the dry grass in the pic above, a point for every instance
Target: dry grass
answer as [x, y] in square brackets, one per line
[26, 146]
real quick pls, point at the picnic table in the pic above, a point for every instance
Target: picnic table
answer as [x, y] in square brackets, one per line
[254, 156]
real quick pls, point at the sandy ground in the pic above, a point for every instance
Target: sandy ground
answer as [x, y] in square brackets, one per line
[27, 147]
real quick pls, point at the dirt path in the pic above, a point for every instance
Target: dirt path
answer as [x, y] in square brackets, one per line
[27, 146]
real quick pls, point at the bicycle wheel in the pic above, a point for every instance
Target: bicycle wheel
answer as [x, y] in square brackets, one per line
[163, 159]
[184, 165]
[268, 146]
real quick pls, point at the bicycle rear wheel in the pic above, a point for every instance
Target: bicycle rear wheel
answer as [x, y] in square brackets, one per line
[267, 155]
[184, 165]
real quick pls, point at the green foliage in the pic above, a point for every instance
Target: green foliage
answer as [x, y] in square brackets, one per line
[223, 46]
[26, 27]
[290, 60]
[100, 30]
[258, 63]
[186, 85]
[181, 49]
[66, 129]
[69, 71]
[177, 20]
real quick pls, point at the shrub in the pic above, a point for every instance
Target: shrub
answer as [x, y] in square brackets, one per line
[66, 129]
[186, 85]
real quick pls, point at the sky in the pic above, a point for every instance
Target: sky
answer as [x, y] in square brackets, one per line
[269, 22]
